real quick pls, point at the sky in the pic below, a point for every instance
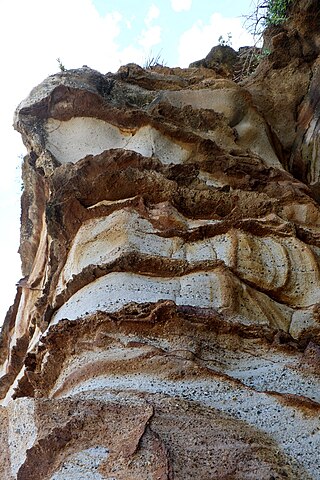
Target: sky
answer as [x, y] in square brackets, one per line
[102, 34]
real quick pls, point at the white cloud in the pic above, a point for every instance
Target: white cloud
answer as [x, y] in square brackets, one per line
[132, 54]
[150, 37]
[181, 5]
[196, 42]
[152, 34]
[152, 14]
[71, 30]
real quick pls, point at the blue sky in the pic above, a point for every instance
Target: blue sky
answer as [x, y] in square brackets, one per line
[102, 34]
[171, 19]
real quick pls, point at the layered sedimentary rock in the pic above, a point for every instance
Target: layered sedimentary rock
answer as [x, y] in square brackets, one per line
[167, 325]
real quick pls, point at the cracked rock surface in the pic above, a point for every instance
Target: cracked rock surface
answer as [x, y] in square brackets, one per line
[167, 324]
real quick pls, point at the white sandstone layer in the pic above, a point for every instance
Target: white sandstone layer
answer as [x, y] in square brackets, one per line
[200, 289]
[22, 431]
[72, 140]
[82, 465]
[271, 263]
[231, 102]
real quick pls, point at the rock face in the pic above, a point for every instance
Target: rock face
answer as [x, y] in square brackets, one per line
[167, 325]
[285, 89]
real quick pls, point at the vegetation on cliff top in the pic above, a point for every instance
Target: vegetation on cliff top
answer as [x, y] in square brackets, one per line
[276, 11]
[268, 13]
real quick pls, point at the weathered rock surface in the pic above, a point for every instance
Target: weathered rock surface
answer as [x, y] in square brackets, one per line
[167, 325]
[285, 89]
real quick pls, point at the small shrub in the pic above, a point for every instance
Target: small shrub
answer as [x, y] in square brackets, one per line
[276, 12]
[266, 13]
[61, 66]
[225, 42]
[154, 61]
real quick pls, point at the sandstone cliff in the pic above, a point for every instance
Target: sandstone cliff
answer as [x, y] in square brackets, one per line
[167, 325]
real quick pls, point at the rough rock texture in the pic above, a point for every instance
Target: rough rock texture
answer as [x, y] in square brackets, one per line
[228, 63]
[221, 58]
[285, 89]
[168, 322]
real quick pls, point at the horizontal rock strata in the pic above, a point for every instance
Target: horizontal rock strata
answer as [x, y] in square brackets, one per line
[167, 325]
